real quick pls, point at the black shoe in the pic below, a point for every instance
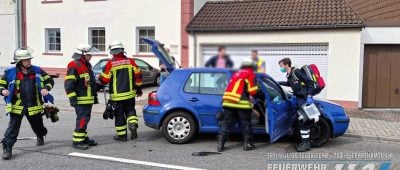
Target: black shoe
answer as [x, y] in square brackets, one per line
[303, 146]
[90, 142]
[80, 145]
[133, 129]
[221, 142]
[248, 145]
[122, 138]
[7, 153]
[39, 140]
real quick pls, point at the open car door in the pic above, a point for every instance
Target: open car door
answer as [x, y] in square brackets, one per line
[158, 49]
[278, 109]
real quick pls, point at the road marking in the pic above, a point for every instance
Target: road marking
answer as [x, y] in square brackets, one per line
[90, 156]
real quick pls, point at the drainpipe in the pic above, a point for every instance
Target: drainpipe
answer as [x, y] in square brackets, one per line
[194, 48]
[18, 23]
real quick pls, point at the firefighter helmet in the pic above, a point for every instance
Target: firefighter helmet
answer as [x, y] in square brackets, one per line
[21, 54]
[84, 49]
[247, 63]
[116, 47]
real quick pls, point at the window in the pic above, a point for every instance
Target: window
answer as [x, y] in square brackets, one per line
[142, 65]
[206, 83]
[53, 40]
[273, 90]
[97, 38]
[145, 32]
[100, 65]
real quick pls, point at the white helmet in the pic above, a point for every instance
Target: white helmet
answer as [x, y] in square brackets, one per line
[84, 49]
[21, 54]
[247, 63]
[115, 45]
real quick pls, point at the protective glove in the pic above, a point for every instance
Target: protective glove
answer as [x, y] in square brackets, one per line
[309, 100]
[72, 102]
[139, 92]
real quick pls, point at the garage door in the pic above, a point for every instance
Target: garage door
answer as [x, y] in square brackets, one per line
[300, 54]
[381, 82]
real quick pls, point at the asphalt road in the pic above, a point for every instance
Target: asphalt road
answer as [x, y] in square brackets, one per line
[152, 151]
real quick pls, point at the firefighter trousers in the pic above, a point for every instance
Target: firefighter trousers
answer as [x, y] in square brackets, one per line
[11, 134]
[83, 113]
[230, 117]
[124, 114]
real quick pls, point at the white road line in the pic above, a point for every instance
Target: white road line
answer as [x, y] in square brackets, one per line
[90, 156]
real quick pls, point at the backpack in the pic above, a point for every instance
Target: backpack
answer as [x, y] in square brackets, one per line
[313, 74]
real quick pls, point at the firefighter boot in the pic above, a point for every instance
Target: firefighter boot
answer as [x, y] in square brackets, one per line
[122, 138]
[7, 152]
[39, 140]
[248, 145]
[133, 129]
[304, 145]
[90, 142]
[221, 142]
[80, 145]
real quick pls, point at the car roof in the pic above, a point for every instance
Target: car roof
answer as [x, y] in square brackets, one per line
[205, 69]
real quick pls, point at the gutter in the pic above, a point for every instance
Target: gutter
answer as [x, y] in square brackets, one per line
[194, 47]
[18, 23]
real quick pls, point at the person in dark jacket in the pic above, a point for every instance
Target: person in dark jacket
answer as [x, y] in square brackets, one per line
[23, 87]
[80, 87]
[221, 60]
[302, 88]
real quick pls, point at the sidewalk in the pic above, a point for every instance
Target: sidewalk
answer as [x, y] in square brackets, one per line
[375, 125]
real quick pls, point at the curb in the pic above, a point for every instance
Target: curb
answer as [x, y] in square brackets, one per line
[377, 138]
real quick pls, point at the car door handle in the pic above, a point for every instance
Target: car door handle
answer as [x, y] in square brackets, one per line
[194, 99]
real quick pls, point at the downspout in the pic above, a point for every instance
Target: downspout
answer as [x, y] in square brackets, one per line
[18, 23]
[194, 48]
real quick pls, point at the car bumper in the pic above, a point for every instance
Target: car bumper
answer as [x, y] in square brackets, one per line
[152, 117]
[341, 124]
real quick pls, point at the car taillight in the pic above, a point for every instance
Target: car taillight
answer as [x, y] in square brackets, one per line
[152, 99]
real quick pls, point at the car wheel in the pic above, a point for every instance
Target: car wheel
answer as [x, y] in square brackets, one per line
[157, 81]
[320, 133]
[179, 127]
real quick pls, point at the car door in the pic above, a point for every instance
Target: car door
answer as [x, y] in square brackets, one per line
[203, 91]
[158, 49]
[146, 72]
[278, 109]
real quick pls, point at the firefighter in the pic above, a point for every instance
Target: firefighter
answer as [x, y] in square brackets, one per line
[80, 86]
[125, 80]
[236, 103]
[259, 63]
[23, 87]
[302, 89]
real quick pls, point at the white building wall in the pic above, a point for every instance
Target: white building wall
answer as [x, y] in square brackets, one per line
[120, 19]
[343, 53]
[8, 40]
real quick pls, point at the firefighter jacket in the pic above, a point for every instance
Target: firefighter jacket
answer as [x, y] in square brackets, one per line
[80, 83]
[123, 76]
[240, 87]
[25, 89]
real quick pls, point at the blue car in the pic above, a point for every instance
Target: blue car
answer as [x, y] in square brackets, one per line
[189, 99]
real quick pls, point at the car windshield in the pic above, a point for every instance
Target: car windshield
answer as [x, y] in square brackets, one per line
[100, 65]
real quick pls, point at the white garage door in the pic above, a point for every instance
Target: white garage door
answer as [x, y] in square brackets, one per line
[300, 54]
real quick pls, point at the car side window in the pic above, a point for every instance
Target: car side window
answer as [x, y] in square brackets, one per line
[100, 65]
[206, 83]
[192, 84]
[142, 65]
[274, 92]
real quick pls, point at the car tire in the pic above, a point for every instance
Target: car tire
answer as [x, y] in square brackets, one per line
[157, 80]
[179, 127]
[320, 133]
